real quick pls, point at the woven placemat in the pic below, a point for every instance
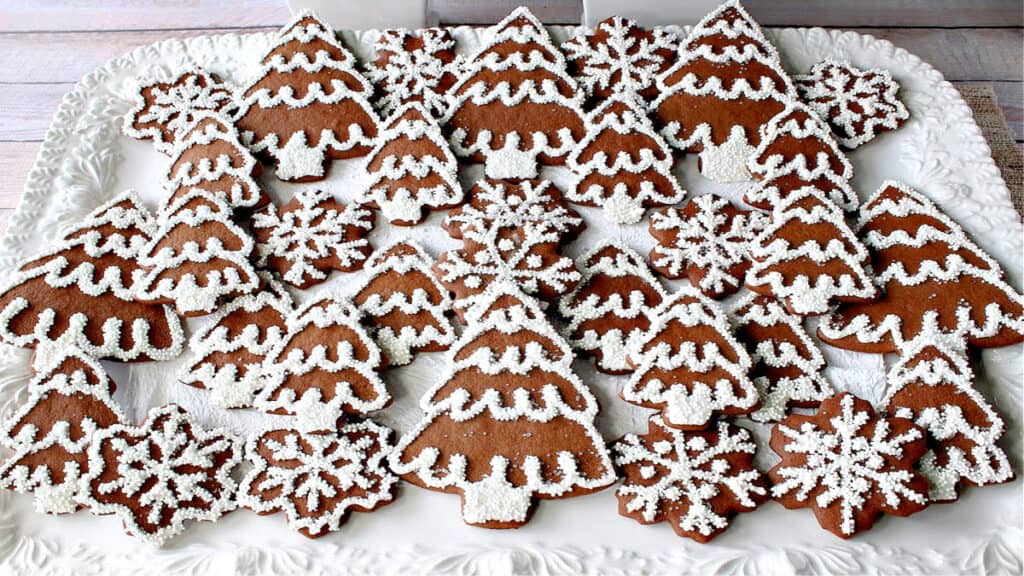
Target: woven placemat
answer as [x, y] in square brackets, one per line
[1005, 150]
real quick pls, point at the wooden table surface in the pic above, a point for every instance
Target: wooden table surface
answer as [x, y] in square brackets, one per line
[48, 45]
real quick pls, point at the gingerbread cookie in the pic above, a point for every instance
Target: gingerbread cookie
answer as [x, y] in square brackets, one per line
[308, 104]
[509, 422]
[620, 57]
[325, 366]
[310, 236]
[693, 480]
[164, 111]
[404, 304]
[611, 306]
[414, 66]
[808, 258]
[707, 241]
[158, 475]
[211, 157]
[787, 363]
[411, 168]
[197, 256]
[317, 479]
[797, 151]
[849, 465]
[79, 293]
[622, 164]
[925, 263]
[857, 104]
[68, 401]
[932, 384]
[725, 65]
[230, 350]
[515, 105]
[510, 231]
[689, 366]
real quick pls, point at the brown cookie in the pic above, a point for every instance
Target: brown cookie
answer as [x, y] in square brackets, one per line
[926, 265]
[707, 241]
[79, 293]
[611, 306]
[404, 303]
[693, 480]
[158, 475]
[164, 111]
[509, 422]
[310, 236]
[308, 104]
[849, 465]
[414, 66]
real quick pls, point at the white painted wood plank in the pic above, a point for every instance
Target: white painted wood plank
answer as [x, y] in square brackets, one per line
[978, 55]
[16, 159]
[27, 109]
[32, 15]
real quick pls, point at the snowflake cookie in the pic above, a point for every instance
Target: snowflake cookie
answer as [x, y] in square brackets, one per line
[411, 168]
[622, 164]
[514, 104]
[787, 364]
[414, 66]
[688, 365]
[509, 421]
[79, 293]
[325, 366]
[619, 56]
[317, 479]
[230, 350]
[310, 236]
[611, 306]
[693, 480]
[308, 104]
[164, 111]
[510, 231]
[849, 465]
[707, 241]
[404, 303]
[858, 104]
[68, 401]
[158, 475]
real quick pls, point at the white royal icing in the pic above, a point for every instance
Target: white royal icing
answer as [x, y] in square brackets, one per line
[175, 106]
[413, 75]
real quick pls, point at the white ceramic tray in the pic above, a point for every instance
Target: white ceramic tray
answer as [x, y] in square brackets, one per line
[85, 160]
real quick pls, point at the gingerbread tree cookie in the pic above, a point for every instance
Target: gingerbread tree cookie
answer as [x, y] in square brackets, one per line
[857, 104]
[414, 66]
[808, 258]
[317, 479]
[411, 168]
[197, 256]
[158, 475]
[164, 111]
[308, 104]
[689, 366]
[405, 305]
[693, 480]
[211, 157]
[787, 363]
[849, 465]
[310, 236]
[325, 366]
[68, 401]
[511, 231]
[726, 65]
[620, 57]
[509, 422]
[622, 164]
[515, 105]
[932, 384]
[708, 241]
[797, 151]
[612, 305]
[79, 293]
[925, 263]
[230, 350]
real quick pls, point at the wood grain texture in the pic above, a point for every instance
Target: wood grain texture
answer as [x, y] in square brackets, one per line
[1010, 96]
[65, 15]
[26, 110]
[489, 12]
